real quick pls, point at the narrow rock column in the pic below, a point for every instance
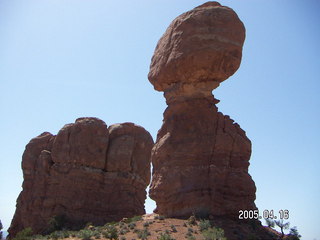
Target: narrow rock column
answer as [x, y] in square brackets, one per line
[201, 157]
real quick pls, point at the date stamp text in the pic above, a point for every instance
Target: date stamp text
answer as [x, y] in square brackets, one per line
[265, 214]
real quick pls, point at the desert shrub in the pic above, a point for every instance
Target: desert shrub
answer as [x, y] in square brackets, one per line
[204, 225]
[24, 234]
[159, 217]
[143, 234]
[123, 230]
[39, 237]
[86, 234]
[73, 234]
[110, 224]
[146, 224]
[59, 235]
[294, 234]
[65, 233]
[96, 232]
[131, 225]
[173, 228]
[191, 237]
[192, 220]
[110, 232]
[213, 234]
[189, 234]
[134, 219]
[165, 236]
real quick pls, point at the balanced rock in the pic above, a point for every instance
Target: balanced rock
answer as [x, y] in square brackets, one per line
[86, 173]
[200, 49]
[201, 157]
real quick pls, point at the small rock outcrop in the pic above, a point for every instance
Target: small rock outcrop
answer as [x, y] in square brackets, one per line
[88, 172]
[201, 157]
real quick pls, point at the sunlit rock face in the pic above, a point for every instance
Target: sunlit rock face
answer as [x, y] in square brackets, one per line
[88, 172]
[200, 49]
[201, 157]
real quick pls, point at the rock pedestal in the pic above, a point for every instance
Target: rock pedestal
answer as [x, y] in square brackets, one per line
[88, 172]
[201, 157]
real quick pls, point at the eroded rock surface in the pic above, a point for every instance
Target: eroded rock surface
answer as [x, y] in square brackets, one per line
[86, 173]
[201, 157]
[200, 49]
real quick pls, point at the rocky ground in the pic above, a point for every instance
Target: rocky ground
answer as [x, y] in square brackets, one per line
[149, 226]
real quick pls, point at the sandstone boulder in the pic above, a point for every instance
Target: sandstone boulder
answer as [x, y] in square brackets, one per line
[201, 47]
[201, 157]
[86, 173]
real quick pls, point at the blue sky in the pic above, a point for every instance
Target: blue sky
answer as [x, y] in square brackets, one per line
[60, 60]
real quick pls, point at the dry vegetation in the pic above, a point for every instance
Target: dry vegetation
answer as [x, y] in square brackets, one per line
[150, 226]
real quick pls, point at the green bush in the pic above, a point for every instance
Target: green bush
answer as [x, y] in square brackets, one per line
[97, 235]
[24, 234]
[204, 225]
[110, 224]
[56, 235]
[294, 234]
[39, 237]
[213, 234]
[191, 237]
[159, 217]
[134, 219]
[143, 234]
[111, 233]
[132, 225]
[86, 234]
[173, 228]
[192, 220]
[146, 224]
[165, 236]
[123, 230]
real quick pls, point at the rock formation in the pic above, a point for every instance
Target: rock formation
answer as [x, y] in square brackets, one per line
[88, 172]
[201, 157]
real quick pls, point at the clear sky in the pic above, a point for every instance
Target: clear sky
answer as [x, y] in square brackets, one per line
[60, 60]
